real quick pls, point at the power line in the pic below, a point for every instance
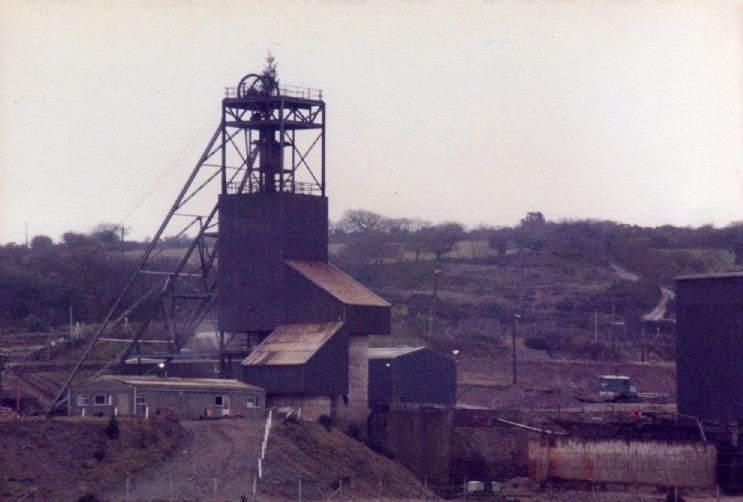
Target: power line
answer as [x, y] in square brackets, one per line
[189, 146]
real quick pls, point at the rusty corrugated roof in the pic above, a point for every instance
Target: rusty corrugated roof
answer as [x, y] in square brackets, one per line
[292, 344]
[340, 285]
[181, 383]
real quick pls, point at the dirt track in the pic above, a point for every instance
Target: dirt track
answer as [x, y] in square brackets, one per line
[224, 452]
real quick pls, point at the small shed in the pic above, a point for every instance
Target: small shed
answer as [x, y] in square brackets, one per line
[181, 398]
[411, 375]
[301, 365]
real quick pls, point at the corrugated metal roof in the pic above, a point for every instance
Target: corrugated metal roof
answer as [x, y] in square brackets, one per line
[153, 359]
[181, 383]
[340, 285]
[391, 352]
[292, 344]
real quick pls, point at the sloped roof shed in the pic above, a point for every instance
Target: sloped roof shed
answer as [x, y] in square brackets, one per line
[301, 359]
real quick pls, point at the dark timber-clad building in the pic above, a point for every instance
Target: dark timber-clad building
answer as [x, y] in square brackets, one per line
[709, 331]
[310, 321]
[411, 375]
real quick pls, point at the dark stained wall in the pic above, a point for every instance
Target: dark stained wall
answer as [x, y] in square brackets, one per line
[710, 347]
[423, 376]
[257, 232]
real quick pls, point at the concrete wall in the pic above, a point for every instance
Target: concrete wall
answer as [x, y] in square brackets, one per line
[354, 408]
[657, 463]
[179, 404]
[419, 437]
[312, 406]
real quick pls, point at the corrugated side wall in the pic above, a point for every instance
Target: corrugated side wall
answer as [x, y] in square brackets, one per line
[658, 463]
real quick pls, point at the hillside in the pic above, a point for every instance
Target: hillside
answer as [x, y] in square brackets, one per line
[65, 458]
[325, 458]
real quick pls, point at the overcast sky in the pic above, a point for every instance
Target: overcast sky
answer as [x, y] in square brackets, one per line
[469, 111]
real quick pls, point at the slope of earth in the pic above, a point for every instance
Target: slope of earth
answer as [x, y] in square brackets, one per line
[325, 459]
[218, 460]
[65, 458]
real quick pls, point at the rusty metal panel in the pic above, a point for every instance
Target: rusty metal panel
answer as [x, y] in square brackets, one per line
[301, 359]
[292, 344]
[340, 285]
[655, 463]
[709, 330]
[310, 301]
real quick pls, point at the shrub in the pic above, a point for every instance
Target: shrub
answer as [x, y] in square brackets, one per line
[353, 431]
[112, 429]
[326, 422]
[88, 497]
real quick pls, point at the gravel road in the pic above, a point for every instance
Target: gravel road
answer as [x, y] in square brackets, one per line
[217, 462]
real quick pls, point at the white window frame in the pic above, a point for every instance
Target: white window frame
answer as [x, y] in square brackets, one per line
[107, 400]
[82, 400]
[252, 402]
[224, 403]
[141, 400]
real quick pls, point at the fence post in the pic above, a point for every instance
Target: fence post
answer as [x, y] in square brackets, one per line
[127, 488]
[171, 489]
[300, 489]
[254, 487]
[215, 486]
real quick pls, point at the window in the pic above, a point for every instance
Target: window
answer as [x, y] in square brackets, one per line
[101, 400]
[83, 400]
[141, 399]
[252, 402]
[222, 402]
[218, 401]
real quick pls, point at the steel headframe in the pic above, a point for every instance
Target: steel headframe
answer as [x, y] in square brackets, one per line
[171, 292]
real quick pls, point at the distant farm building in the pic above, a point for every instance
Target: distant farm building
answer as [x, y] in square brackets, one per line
[709, 314]
[180, 398]
[411, 375]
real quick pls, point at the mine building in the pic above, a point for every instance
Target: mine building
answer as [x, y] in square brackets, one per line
[709, 312]
[311, 321]
[286, 319]
[176, 398]
[411, 375]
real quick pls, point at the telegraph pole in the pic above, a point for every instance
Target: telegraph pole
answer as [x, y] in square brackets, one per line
[516, 318]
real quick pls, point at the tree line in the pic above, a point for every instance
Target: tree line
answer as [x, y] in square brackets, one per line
[40, 282]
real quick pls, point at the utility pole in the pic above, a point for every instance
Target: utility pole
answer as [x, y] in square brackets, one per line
[434, 298]
[516, 318]
[613, 321]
